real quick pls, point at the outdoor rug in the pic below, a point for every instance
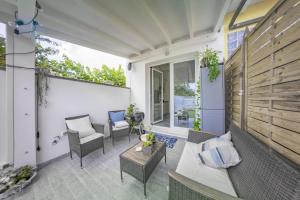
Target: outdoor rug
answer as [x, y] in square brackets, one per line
[169, 140]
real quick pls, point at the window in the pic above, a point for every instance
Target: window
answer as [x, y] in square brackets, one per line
[234, 41]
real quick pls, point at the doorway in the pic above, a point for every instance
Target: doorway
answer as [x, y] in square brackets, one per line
[160, 95]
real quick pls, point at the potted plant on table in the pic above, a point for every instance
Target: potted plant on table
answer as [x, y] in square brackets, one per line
[148, 142]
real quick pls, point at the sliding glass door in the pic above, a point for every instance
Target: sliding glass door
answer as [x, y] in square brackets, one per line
[184, 93]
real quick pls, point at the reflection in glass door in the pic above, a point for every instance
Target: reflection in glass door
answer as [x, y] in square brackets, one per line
[157, 96]
[184, 94]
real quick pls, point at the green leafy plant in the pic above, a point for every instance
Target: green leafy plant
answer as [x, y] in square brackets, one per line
[2, 52]
[210, 60]
[150, 140]
[24, 173]
[197, 121]
[130, 110]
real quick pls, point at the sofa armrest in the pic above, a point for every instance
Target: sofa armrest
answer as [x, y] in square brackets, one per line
[183, 188]
[199, 136]
[99, 128]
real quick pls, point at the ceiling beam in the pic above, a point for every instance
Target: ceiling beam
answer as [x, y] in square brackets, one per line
[189, 17]
[179, 48]
[76, 40]
[222, 14]
[152, 15]
[61, 18]
[100, 12]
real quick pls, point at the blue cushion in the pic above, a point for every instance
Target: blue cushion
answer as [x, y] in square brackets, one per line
[117, 116]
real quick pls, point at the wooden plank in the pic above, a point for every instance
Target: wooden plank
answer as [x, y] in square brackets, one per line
[258, 126]
[288, 54]
[260, 53]
[286, 152]
[293, 86]
[260, 67]
[264, 104]
[287, 105]
[287, 73]
[258, 90]
[292, 126]
[264, 78]
[258, 135]
[259, 116]
[289, 139]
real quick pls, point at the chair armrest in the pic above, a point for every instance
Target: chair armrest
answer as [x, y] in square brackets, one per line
[179, 184]
[73, 136]
[199, 136]
[98, 127]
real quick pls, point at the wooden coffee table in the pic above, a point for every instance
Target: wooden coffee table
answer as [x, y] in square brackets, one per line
[140, 165]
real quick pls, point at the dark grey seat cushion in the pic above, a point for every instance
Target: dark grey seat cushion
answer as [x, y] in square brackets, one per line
[262, 174]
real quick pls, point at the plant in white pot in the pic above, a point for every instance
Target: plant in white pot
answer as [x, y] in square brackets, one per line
[148, 141]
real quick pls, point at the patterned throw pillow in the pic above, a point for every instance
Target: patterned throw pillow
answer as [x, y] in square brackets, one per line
[220, 157]
[215, 142]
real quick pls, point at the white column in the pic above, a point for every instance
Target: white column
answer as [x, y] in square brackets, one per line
[21, 91]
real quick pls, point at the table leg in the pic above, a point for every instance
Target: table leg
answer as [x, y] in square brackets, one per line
[145, 189]
[165, 158]
[121, 175]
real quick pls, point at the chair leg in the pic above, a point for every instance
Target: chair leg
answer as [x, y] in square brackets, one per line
[81, 162]
[103, 146]
[71, 155]
[113, 140]
[129, 137]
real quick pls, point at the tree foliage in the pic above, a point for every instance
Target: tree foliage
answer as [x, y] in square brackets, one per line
[183, 90]
[2, 52]
[70, 69]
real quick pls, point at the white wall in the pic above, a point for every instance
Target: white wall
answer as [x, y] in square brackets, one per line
[70, 98]
[3, 149]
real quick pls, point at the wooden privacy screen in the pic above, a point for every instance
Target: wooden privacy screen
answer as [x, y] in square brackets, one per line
[268, 63]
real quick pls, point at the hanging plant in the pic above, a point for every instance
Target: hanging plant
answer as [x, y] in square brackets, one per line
[210, 60]
[42, 85]
[197, 121]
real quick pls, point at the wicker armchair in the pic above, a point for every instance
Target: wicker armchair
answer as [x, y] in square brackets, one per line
[82, 146]
[117, 132]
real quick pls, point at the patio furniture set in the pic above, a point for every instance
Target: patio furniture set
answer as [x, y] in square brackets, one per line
[86, 137]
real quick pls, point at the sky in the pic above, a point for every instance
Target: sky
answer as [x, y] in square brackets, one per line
[86, 56]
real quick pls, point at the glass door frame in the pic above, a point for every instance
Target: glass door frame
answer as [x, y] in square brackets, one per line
[152, 95]
[172, 103]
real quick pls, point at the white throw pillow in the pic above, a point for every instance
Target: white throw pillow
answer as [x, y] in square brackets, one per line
[82, 125]
[121, 124]
[226, 136]
[220, 157]
[215, 142]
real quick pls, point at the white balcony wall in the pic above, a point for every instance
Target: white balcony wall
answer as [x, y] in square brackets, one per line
[70, 98]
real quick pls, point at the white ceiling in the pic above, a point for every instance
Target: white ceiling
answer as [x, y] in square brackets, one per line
[127, 28]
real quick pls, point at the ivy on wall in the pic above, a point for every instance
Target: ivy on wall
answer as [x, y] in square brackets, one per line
[2, 52]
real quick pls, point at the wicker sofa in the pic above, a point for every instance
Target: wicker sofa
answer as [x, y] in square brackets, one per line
[262, 174]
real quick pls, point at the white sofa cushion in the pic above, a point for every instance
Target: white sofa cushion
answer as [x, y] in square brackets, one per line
[226, 136]
[215, 142]
[82, 125]
[120, 125]
[220, 157]
[190, 166]
[91, 138]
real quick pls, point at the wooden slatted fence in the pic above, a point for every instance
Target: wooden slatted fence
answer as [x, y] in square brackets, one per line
[269, 89]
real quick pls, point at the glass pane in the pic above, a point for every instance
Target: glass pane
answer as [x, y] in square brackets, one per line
[157, 98]
[184, 94]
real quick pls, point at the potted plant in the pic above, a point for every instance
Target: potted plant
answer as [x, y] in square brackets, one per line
[210, 59]
[148, 142]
